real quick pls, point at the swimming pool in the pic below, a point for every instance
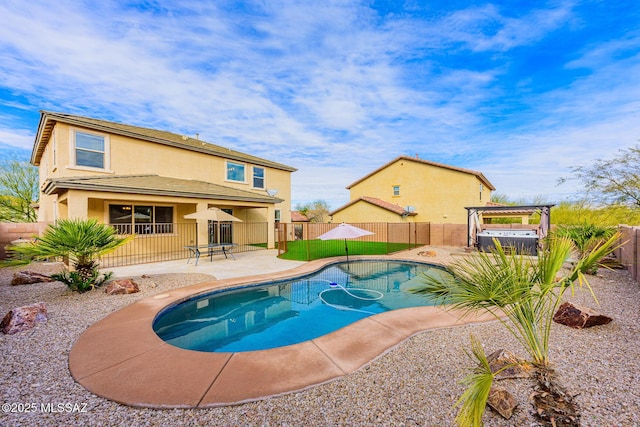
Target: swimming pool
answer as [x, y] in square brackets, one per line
[277, 314]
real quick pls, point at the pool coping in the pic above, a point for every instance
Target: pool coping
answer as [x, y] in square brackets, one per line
[121, 358]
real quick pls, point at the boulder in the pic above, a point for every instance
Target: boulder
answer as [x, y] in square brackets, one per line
[517, 368]
[501, 401]
[29, 277]
[579, 317]
[23, 318]
[121, 287]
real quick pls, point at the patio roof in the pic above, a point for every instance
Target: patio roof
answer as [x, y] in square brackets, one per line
[155, 185]
[508, 210]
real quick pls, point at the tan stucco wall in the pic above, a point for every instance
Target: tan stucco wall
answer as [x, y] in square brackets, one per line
[438, 194]
[128, 156]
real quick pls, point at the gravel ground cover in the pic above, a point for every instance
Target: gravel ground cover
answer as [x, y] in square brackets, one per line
[414, 384]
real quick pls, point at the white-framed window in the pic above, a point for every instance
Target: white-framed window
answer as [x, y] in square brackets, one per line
[90, 149]
[235, 172]
[396, 190]
[258, 177]
[141, 219]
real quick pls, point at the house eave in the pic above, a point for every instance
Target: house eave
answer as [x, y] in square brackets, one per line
[48, 119]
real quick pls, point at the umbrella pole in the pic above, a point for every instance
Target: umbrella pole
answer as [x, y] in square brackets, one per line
[346, 249]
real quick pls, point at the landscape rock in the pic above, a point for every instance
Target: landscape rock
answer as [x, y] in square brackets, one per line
[579, 317]
[23, 318]
[503, 402]
[500, 358]
[29, 277]
[121, 287]
[428, 253]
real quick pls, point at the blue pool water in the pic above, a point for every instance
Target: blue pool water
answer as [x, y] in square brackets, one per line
[277, 314]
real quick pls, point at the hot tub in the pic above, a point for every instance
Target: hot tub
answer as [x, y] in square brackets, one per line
[522, 241]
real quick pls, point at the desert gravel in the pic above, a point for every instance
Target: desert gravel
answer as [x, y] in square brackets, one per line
[414, 384]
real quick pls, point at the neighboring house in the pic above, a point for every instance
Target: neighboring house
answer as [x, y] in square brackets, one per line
[298, 219]
[409, 189]
[144, 180]
[296, 216]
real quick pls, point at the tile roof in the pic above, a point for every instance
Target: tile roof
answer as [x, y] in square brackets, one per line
[48, 120]
[155, 185]
[392, 207]
[296, 216]
[479, 175]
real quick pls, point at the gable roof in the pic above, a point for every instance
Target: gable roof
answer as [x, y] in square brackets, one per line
[391, 207]
[479, 175]
[296, 216]
[155, 185]
[49, 119]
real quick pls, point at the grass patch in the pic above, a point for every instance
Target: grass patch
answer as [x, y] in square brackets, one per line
[307, 250]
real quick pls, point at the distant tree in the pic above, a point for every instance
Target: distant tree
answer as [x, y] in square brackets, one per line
[316, 211]
[18, 191]
[614, 181]
[501, 198]
[580, 212]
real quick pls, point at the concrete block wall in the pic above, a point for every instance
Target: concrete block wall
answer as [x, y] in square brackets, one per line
[10, 231]
[628, 253]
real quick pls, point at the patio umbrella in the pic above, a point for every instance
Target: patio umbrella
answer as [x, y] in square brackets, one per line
[212, 214]
[344, 231]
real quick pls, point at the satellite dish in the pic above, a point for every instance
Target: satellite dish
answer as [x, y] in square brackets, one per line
[410, 209]
[272, 192]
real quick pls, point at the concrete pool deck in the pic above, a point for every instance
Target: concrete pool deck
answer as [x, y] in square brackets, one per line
[120, 357]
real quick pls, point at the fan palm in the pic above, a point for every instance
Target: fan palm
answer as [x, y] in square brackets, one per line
[521, 292]
[82, 241]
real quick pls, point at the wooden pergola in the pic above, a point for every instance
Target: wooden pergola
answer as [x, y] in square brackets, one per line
[473, 221]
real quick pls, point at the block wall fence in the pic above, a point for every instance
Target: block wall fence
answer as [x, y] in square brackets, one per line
[10, 231]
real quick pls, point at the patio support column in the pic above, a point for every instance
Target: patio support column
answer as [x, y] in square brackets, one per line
[203, 225]
[271, 226]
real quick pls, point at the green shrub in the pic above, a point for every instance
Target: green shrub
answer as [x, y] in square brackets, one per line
[79, 282]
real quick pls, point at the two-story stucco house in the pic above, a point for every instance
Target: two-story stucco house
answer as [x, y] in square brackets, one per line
[144, 181]
[415, 190]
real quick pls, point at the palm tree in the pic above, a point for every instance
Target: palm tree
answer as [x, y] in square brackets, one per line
[82, 241]
[522, 292]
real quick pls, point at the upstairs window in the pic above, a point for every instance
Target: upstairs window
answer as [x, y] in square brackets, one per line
[90, 150]
[235, 172]
[258, 177]
[396, 190]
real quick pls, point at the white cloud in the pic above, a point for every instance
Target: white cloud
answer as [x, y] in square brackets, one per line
[331, 88]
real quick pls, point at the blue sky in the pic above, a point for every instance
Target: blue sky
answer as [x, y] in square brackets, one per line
[521, 91]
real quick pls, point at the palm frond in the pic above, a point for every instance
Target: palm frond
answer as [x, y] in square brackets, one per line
[473, 400]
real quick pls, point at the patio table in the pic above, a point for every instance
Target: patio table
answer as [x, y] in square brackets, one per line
[212, 248]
